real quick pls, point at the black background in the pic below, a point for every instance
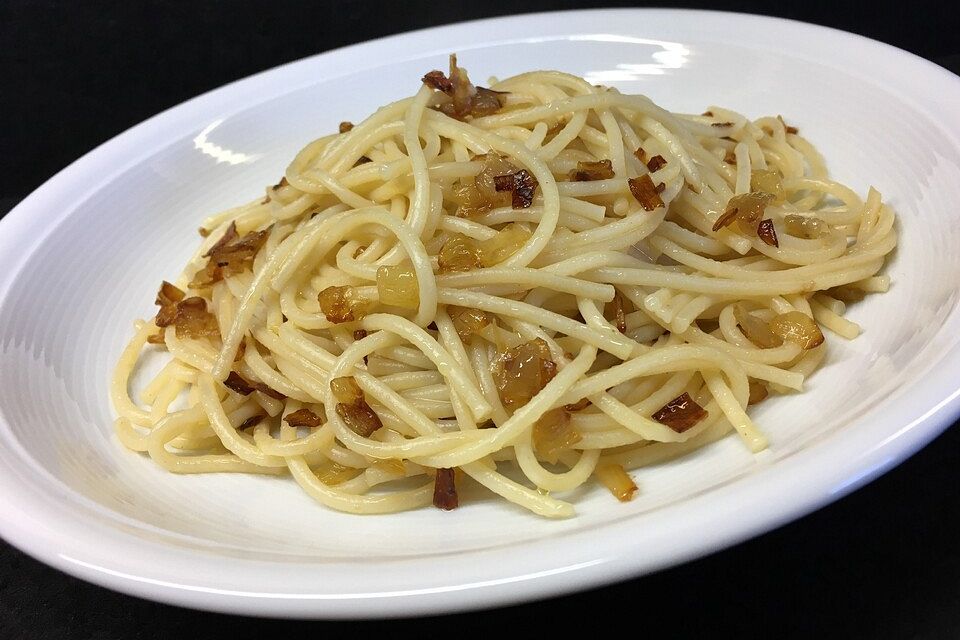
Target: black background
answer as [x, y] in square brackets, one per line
[882, 563]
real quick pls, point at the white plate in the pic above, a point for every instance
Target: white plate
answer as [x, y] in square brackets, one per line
[81, 257]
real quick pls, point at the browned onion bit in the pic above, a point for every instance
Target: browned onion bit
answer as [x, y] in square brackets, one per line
[582, 403]
[521, 372]
[614, 310]
[656, 163]
[641, 155]
[188, 315]
[236, 382]
[768, 233]
[721, 124]
[681, 413]
[203, 232]
[252, 421]
[229, 256]
[586, 171]
[360, 418]
[303, 418]
[156, 338]
[522, 184]
[615, 478]
[345, 126]
[747, 209]
[709, 114]
[360, 334]
[353, 408]
[730, 157]
[645, 192]
[465, 99]
[167, 298]
[661, 187]
[480, 195]
[445, 490]
[438, 80]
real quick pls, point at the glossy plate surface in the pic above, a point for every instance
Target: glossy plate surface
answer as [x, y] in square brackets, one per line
[82, 256]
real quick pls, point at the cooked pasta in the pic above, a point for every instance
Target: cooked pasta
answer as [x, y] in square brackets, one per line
[527, 288]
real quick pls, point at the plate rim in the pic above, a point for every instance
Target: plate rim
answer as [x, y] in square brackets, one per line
[26, 529]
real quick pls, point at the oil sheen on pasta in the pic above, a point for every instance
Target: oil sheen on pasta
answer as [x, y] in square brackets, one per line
[516, 289]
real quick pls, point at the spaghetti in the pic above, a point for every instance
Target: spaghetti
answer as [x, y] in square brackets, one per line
[523, 287]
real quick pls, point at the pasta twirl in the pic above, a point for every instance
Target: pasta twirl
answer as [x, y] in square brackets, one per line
[527, 287]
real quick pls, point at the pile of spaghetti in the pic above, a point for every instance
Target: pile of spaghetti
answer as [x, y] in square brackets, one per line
[524, 287]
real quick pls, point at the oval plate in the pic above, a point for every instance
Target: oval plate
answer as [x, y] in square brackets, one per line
[81, 257]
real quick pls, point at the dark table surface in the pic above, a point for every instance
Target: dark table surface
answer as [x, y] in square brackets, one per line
[880, 563]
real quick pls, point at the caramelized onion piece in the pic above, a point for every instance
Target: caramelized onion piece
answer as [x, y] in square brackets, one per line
[617, 480]
[521, 184]
[229, 256]
[807, 227]
[747, 209]
[360, 334]
[586, 171]
[582, 403]
[345, 126]
[481, 195]
[342, 304]
[768, 233]
[438, 80]
[397, 286]
[645, 192]
[797, 327]
[640, 155]
[459, 253]
[346, 390]
[553, 434]
[303, 418]
[445, 490]
[465, 99]
[768, 182]
[656, 163]
[337, 473]
[730, 157]
[614, 311]
[758, 392]
[236, 382]
[681, 413]
[756, 330]
[167, 298]
[521, 372]
[352, 407]
[252, 421]
[467, 322]
[188, 315]
[507, 242]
